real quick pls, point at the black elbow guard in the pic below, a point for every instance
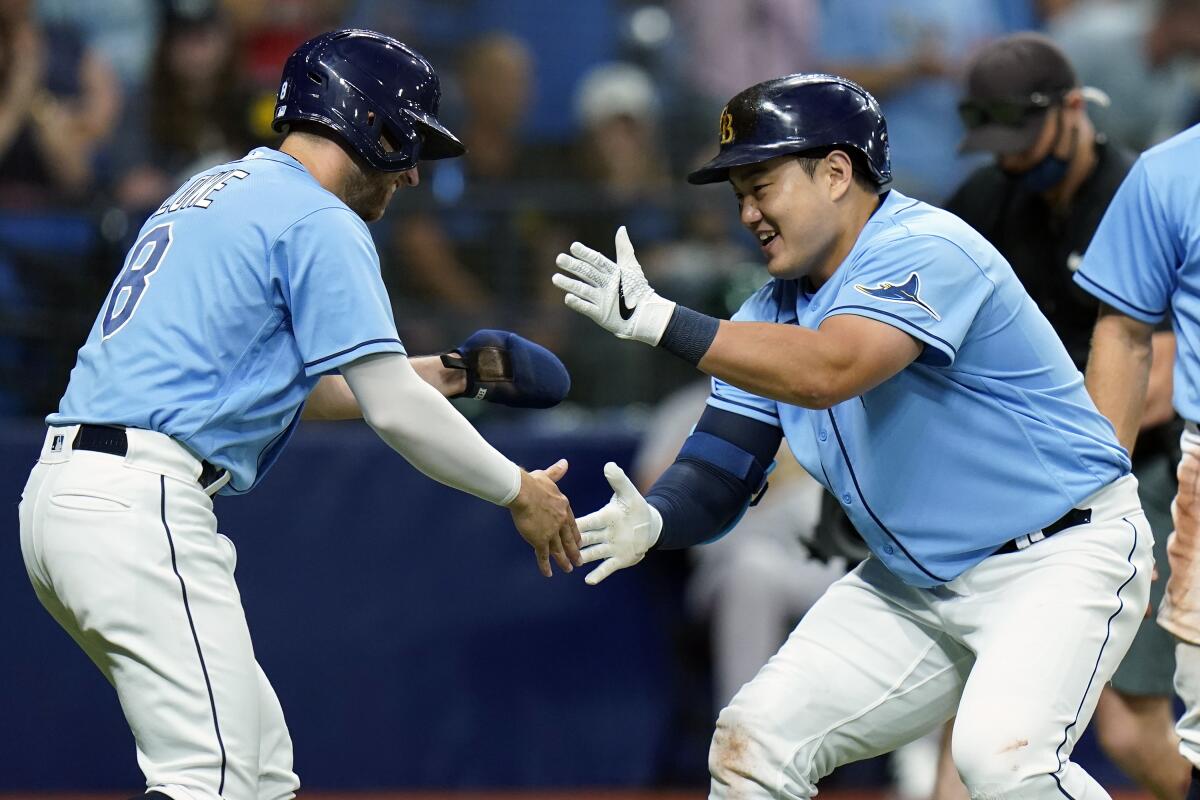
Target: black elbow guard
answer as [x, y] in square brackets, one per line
[719, 473]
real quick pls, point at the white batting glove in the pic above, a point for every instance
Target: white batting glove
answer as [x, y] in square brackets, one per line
[621, 532]
[614, 296]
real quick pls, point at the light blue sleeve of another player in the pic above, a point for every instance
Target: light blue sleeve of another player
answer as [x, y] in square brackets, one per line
[329, 272]
[925, 285]
[762, 306]
[1133, 259]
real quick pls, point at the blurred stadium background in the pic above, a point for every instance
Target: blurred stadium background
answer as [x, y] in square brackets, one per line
[410, 640]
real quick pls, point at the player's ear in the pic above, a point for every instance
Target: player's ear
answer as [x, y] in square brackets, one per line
[840, 173]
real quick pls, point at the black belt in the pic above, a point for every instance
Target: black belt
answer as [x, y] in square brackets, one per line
[111, 439]
[1076, 516]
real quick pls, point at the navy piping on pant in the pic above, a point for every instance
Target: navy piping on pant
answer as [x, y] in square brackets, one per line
[1096, 666]
[195, 638]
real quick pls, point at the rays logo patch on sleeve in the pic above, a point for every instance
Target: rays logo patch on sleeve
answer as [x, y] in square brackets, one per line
[907, 292]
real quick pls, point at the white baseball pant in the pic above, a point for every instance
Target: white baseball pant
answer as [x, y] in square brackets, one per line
[1180, 611]
[1019, 646]
[124, 553]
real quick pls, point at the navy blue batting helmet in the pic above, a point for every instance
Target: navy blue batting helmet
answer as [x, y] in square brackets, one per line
[796, 113]
[378, 94]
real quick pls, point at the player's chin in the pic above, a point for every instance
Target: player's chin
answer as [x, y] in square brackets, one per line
[374, 213]
[780, 266]
[372, 210]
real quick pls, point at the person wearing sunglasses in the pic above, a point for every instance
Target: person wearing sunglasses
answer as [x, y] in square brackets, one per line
[1039, 203]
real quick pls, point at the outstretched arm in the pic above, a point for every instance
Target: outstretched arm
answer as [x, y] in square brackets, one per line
[720, 469]
[846, 356]
[331, 398]
[421, 425]
[497, 366]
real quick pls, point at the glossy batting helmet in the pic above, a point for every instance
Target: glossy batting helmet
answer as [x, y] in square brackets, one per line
[378, 94]
[796, 113]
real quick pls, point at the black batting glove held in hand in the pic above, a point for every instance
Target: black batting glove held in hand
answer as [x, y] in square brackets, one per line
[508, 369]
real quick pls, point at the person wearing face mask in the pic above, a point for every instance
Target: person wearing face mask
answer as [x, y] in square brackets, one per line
[1039, 203]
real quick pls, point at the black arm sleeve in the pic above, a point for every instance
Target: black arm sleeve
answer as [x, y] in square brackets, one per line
[719, 470]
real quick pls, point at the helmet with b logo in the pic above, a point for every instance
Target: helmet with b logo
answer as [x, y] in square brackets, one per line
[797, 113]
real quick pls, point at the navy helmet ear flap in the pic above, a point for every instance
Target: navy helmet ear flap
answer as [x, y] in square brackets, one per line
[379, 95]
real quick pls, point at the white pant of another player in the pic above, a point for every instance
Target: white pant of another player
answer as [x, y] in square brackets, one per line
[124, 553]
[1180, 611]
[1020, 646]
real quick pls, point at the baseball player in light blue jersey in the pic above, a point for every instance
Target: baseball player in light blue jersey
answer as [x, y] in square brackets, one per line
[911, 375]
[246, 292]
[1144, 263]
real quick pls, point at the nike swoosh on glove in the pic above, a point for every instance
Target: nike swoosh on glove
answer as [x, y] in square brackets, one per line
[613, 295]
[508, 369]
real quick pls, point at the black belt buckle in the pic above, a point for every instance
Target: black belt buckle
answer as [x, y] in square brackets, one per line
[1076, 516]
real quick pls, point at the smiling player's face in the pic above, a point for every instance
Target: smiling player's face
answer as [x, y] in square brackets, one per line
[787, 211]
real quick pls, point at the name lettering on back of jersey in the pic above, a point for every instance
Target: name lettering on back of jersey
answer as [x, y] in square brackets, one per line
[907, 292]
[198, 193]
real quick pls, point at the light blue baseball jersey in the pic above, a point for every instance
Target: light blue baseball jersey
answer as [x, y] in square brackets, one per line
[1145, 257]
[988, 435]
[243, 288]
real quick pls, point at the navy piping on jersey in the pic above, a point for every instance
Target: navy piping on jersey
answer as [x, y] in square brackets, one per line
[1120, 299]
[308, 364]
[764, 412]
[162, 481]
[861, 496]
[289, 162]
[909, 323]
[1096, 666]
[292, 423]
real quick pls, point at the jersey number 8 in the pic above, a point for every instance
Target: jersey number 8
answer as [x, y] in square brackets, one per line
[144, 259]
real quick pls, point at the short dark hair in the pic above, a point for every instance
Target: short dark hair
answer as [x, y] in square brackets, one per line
[304, 127]
[862, 176]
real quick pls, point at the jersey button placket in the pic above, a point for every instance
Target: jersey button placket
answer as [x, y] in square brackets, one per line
[823, 435]
[846, 498]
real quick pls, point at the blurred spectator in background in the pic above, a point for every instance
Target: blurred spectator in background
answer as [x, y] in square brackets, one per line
[268, 30]
[726, 47]
[1039, 204]
[729, 46]
[124, 34]
[620, 159]
[1138, 53]
[473, 250]
[909, 55]
[58, 103]
[622, 175]
[194, 110]
[440, 25]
